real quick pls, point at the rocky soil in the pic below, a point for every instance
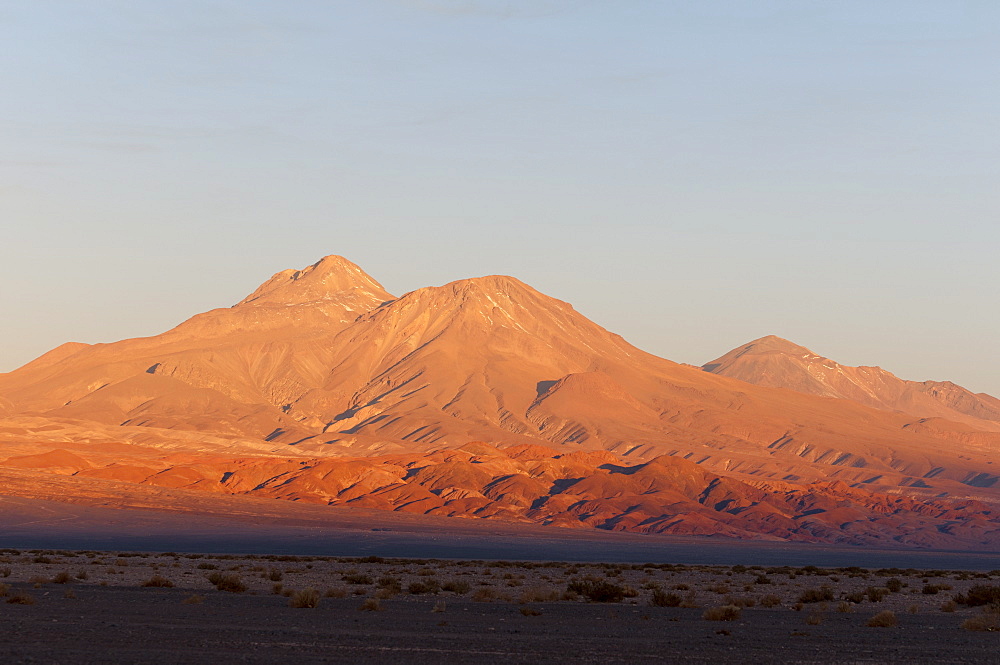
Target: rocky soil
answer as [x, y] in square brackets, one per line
[98, 607]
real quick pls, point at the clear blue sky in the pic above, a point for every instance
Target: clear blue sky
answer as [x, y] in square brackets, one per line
[691, 175]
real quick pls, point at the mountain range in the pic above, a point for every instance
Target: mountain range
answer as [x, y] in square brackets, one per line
[485, 398]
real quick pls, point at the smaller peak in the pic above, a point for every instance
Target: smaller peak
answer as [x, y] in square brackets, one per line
[772, 340]
[768, 344]
[775, 343]
[331, 275]
[490, 291]
[491, 286]
[500, 283]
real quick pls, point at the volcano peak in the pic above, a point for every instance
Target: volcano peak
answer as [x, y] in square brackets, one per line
[330, 278]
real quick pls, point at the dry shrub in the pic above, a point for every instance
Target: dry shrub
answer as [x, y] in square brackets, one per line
[484, 594]
[981, 594]
[770, 600]
[662, 598]
[336, 592]
[539, 594]
[814, 619]
[598, 591]
[530, 611]
[986, 621]
[723, 613]
[822, 594]
[305, 598]
[63, 577]
[949, 606]
[82, 575]
[426, 586]
[230, 582]
[21, 598]
[390, 583]
[370, 605]
[741, 601]
[461, 587]
[358, 578]
[158, 581]
[194, 600]
[845, 607]
[385, 594]
[886, 619]
[690, 600]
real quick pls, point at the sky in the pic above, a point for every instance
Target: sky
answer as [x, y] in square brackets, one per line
[689, 175]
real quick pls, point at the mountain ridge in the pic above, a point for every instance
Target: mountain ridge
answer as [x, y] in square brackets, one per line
[322, 364]
[776, 362]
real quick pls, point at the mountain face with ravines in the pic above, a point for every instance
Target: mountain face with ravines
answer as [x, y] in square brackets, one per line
[484, 398]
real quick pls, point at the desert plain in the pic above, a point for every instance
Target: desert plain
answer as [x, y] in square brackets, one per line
[90, 606]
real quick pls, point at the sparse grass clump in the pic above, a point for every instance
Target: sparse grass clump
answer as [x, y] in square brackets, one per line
[370, 605]
[21, 598]
[358, 578]
[484, 594]
[461, 587]
[662, 598]
[886, 619]
[981, 594]
[335, 592]
[988, 621]
[770, 600]
[158, 581]
[598, 591]
[389, 582]
[424, 586]
[230, 582]
[722, 613]
[820, 595]
[305, 598]
[539, 595]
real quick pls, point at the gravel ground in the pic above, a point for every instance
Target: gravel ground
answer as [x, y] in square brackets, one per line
[439, 611]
